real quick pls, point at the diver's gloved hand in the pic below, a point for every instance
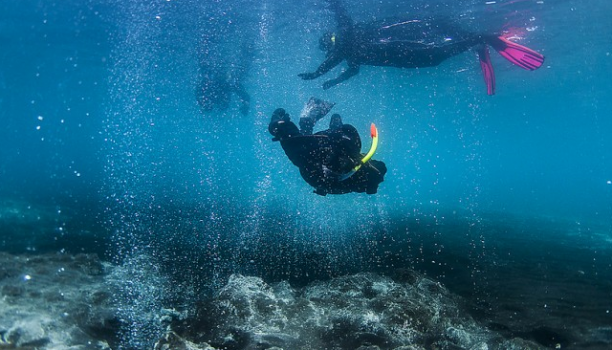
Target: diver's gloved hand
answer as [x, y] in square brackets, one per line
[307, 76]
[328, 84]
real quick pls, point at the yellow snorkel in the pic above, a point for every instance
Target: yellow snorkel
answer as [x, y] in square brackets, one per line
[374, 135]
[368, 156]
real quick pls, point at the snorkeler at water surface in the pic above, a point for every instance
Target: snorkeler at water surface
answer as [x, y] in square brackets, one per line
[215, 90]
[410, 43]
[221, 76]
[330, 160]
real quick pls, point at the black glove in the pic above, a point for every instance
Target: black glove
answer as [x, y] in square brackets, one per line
[307, 76]
[328, 84]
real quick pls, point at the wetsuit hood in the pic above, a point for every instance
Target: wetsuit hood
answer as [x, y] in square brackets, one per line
[327, 41]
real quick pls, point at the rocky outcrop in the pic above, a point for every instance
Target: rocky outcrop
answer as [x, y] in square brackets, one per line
[55, 301]
[363, 311]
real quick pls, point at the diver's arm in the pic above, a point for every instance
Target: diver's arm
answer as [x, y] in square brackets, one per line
[330, 62]
[352, 70]
[245, 99]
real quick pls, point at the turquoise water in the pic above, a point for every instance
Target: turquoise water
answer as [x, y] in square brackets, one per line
[104, 149]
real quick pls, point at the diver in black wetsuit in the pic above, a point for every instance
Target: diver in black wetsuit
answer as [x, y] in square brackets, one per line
[329, 160]
[409, 43]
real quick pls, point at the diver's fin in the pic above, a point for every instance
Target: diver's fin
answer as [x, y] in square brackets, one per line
[316, 109]
[487, 69]
[522, 56]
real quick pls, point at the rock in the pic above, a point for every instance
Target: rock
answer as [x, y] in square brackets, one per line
[12, 290]
[58, 301]
[25, 333]
[53, 303]
[368, 347]
[363, 311]
[518, 344]
[171, 341]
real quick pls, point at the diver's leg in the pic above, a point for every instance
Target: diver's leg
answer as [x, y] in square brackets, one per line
[306, 126]
[487, 68]
[313, 111]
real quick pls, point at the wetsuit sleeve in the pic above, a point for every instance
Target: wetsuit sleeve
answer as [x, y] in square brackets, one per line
[352, 70]
[330, 62]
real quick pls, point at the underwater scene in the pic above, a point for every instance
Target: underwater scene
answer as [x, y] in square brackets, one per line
[305, 174]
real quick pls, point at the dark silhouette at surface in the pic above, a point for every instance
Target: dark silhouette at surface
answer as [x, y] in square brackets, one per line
[326, 158]
[410, 43]
[219, 81]
[215, 90]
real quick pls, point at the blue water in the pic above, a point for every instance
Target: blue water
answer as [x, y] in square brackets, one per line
[102, 135]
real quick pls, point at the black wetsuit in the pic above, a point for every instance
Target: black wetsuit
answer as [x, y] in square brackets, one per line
[395, 42]
[324, 157]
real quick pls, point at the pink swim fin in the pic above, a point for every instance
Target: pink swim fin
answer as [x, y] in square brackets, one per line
[522, 56]
[487, 69]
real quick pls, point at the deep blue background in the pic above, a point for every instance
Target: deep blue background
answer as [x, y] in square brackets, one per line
[108, 79]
